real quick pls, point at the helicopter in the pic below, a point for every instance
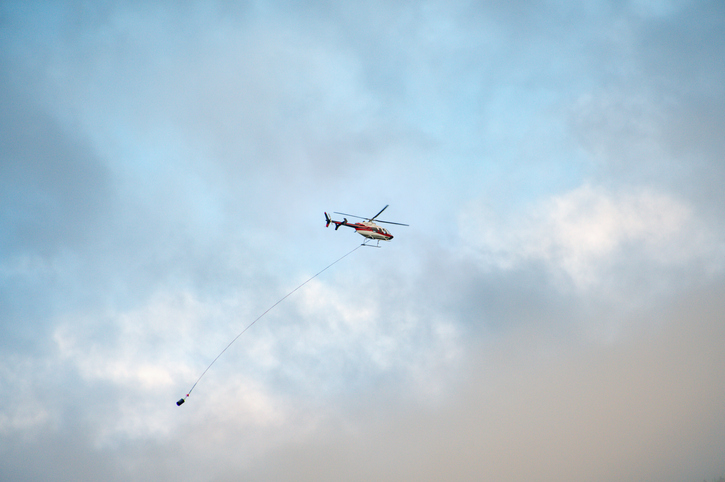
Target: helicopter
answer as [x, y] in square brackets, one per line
[367, 228]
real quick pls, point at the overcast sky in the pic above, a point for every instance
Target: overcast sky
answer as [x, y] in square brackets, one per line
[555, 311]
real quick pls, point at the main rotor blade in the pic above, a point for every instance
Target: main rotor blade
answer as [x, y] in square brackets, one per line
[352, 216]
[390, 222]
[373, 218]
[386, 207]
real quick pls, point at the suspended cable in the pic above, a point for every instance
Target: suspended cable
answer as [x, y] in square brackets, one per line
[182, 400]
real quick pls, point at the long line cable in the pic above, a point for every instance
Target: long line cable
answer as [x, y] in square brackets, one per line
[181, 401]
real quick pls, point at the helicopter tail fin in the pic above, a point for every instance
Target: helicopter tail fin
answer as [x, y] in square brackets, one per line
[338, 224]
[328, 220]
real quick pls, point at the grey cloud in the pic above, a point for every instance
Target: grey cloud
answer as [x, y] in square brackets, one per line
[55, 189]
[638, 410]
[664, 107]
[55, 194]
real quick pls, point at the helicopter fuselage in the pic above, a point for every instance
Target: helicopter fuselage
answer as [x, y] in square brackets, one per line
[372, 231]
[367, 229]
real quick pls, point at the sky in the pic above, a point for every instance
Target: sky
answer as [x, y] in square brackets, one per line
[553, 311]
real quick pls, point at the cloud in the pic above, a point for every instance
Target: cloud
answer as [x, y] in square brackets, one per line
[644, 409]
[551, 312]
[586, 231]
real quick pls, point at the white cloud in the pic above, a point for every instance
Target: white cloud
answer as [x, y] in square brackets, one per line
[585, 231]
[336, 338]
[24, 417]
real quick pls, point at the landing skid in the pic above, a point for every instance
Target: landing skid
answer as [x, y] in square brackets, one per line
[365, 243]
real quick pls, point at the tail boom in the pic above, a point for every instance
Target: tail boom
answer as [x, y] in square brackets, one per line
[337, 224]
